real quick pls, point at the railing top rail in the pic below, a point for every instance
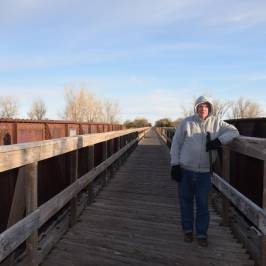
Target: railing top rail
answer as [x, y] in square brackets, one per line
[17, 155]
[250, 146]
[49, 121]
[251, 211]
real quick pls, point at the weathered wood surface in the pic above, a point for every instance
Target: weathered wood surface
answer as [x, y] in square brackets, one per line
[136, 221]
[251, 211]
[12, 156]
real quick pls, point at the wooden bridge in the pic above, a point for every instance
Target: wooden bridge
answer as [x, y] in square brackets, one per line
[134, 220]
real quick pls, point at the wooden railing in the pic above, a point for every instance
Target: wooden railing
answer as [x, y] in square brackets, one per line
[252, 147]
[13, 131]
[26, 157]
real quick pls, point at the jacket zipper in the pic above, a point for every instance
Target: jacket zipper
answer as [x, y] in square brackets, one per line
[202, 140]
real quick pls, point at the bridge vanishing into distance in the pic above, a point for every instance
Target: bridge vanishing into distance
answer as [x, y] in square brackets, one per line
[108, 199]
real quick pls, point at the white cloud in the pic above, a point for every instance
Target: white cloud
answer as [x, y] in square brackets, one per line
[47, 60]
[121, 14]
[237, 14]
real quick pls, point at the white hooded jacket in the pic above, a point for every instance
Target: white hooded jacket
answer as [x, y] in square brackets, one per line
[188, 147]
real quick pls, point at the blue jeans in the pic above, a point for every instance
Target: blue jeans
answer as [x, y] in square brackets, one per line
[194, 185]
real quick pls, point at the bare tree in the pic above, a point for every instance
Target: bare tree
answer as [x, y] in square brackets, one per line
[8, 107]
[97, 111]
[83, 106]
[221, 108]
[38, 110]
[76, 105]
[187, 111]
[244, 108]
[110, 111]
[70, 112]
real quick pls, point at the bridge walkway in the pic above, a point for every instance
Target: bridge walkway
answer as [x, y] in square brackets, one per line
[135, 220]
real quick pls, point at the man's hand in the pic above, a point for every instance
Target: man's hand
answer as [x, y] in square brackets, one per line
[213, 144]
[176, 173]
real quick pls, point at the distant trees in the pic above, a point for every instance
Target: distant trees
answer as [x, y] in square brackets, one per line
[240, 108]
[221, 108]
[8, 107]
[83, 106]
[244, 108]
[38, 110]
[110, 111]
[167, 122]
[137, 122]
[164, 122]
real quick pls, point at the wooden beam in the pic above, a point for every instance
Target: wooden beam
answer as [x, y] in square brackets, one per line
[264, 186]
[252, 211]
[12, 156]
[263, 250]
[73, 179]
[226, 176]
[31, 181]
[18, 202]
[253, 147]
[104, 157]
[263, 237]
[18, 207]
[17, 234]
[90, 166]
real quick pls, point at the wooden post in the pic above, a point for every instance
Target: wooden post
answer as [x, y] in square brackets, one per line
[111, 153]
[226, 176]
[18, 202]
[118, 148]
[90, 167]
[263, 237]
[73, 178]
[91, 157]
[104, 157]
[17, 208]
[31, 189]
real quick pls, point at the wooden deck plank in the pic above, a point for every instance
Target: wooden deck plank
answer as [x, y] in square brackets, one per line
[135, 221]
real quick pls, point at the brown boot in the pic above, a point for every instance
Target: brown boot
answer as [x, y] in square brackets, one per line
[188, 237]
[203, 242]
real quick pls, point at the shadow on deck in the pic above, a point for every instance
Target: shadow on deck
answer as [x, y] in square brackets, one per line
[135, 221]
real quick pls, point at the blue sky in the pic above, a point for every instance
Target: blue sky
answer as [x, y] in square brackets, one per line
[152, 56]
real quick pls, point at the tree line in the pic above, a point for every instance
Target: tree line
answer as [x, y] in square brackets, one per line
[80, 106]
[137, 122]
[241, 108]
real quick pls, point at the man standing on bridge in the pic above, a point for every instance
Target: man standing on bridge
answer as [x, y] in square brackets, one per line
[190, 164]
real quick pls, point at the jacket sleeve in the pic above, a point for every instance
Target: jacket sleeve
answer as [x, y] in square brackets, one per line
[176, 145]
[227, 132]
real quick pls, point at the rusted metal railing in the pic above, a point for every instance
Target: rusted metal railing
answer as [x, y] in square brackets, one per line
[13, 131]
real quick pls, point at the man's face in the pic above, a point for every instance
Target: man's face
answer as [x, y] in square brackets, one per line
[203, 110]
